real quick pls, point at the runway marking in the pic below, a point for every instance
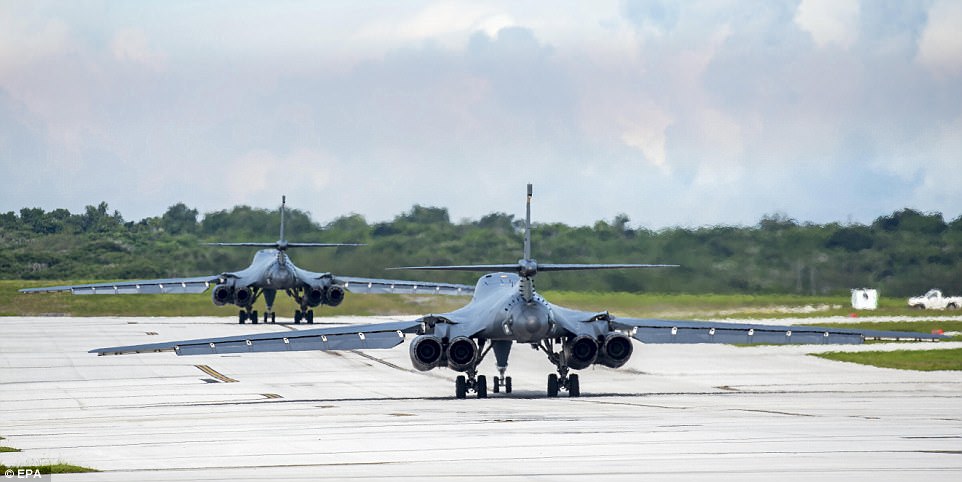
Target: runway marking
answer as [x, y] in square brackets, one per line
[214, 373]
[397, 367]
[151, 332]
[271, 395]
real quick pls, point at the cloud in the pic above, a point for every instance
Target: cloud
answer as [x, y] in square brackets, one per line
[940, 48]
[131, 45]
[830, 22]
[674, 113]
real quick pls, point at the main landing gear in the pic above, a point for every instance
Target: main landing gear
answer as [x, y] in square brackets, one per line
[477, 384]
[306, 315]
[561, 380]
[247, 314]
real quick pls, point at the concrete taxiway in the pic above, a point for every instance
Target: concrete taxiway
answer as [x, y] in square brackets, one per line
[683, 412]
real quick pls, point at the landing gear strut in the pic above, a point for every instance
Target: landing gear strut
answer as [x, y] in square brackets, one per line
[562, 380]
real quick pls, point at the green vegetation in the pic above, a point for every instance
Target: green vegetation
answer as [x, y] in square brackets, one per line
[678, 306]
[58, 468]
[924, 360]
[901, 254]
[8, 449]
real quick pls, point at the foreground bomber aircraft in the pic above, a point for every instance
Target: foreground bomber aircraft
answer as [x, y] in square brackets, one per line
[505, 310]
[271, 271]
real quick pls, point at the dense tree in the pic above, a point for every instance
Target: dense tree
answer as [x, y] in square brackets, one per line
[903, 253]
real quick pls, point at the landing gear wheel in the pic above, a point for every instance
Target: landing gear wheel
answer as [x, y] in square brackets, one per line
[481, 386]
[253, 316]
[273, 317]
[496, 385]
[507, 385]
[574, 387]
[552, 385]
[460, 387]
[297, 316]
[309, 316]
[241, 316]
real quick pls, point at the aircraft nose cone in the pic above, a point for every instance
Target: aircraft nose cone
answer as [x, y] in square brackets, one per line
[531, 323]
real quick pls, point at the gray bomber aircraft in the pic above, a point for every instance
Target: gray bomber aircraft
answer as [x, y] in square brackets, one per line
[506, 310]
[270, 271]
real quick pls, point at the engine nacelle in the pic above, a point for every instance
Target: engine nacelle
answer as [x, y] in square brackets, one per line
[222, 295]
[426, 352]
[314, 296]
[616, 350]
[335, 295]
[461, 353]
[580, 352]
[243, 296]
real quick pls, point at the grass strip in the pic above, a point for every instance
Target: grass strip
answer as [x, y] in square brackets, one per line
[59, 468]
[921, 360]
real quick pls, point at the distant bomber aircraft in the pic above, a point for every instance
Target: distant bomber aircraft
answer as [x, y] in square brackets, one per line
[505, 310]
[271, 271]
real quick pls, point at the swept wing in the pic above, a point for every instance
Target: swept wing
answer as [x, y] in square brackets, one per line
[650, 330]
[354, 337]
[150, 286]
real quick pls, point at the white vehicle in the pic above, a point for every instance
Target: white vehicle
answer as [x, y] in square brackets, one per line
[933, 300]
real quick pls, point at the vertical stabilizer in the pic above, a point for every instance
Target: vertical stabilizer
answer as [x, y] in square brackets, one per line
[283, 205]
[527, 227]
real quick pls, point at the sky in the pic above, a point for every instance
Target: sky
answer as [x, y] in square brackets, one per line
[676, 113]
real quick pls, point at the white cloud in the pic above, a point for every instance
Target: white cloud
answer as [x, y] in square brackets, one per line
[829, 21]
[131, 45]
[940, 48]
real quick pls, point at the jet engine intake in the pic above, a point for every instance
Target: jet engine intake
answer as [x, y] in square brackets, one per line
[462, 352]
[616, 350]
[580, 352]
[222, 294]
[426, 351]
[335, 295]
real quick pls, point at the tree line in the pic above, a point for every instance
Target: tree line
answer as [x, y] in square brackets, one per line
[901, 254]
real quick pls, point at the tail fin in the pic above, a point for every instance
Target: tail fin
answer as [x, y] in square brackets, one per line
[527, 267]
[282, 240]
[282, 244]
[527, 226]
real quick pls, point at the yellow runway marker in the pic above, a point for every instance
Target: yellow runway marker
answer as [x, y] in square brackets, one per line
[214, 373]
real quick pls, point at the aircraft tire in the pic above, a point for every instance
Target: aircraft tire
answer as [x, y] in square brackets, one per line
[460, 387]
[254, 318]
[574, 386]
[310, 316]
[507, 384]
[482, 387]
[241, 316]
[297, 316]
[552, 385]
[273, 317]
[496, 385]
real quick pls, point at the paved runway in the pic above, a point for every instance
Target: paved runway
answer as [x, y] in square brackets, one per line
[694, 412]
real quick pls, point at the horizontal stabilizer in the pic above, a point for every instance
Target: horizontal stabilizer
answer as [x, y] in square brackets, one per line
[514, 267]
[287, 245]
[401, 287]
